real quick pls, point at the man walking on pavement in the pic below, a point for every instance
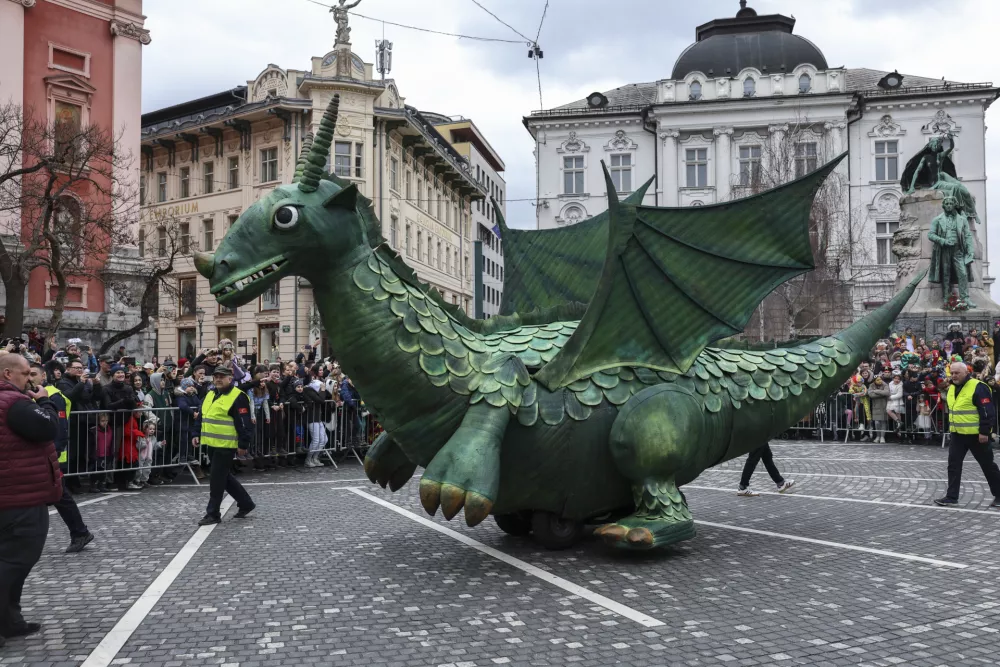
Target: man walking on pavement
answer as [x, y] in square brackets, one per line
[971, 415]
[79, 535]
[752, 460]
[30, 480]
[226, 430]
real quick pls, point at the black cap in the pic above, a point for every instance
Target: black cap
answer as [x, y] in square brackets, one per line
[222, 370]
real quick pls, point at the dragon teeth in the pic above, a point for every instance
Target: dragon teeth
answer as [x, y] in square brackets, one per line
[239, 285]
[274, 267]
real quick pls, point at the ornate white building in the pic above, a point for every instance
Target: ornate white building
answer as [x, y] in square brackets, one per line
[750, 98]
[207, 160]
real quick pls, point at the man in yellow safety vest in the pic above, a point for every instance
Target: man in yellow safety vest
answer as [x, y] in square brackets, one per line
[971, 415]
[225, 430]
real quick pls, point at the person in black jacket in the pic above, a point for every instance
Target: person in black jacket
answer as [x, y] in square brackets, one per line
[85, 397]
[119, 398]
[912, 389]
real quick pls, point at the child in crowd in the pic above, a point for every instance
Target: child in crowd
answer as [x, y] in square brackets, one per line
[146, 445]
[924, 419]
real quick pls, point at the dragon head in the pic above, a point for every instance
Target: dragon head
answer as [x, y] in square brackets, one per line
[297, 229]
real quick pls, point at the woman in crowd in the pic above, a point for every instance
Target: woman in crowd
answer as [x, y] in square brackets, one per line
[878, 393]
[895, 408]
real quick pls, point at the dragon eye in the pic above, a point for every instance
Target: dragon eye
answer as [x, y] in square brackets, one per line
[286, 217]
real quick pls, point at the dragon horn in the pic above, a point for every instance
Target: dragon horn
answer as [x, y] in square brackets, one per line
[315, 160]
[303, 154]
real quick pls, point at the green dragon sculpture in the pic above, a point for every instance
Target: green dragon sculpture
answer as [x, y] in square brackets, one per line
[573, 413]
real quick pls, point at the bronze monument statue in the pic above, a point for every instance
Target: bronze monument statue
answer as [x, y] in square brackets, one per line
[933, 169]
[952, 254]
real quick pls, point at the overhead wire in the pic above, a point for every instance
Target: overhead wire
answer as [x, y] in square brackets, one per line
[419, 29]
[516, 31]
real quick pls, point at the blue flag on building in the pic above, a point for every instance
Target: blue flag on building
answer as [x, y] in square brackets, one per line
[496, 229]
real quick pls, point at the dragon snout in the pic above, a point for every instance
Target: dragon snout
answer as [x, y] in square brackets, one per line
[204, 263]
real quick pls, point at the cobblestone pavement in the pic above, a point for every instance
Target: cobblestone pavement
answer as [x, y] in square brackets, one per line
[857, 568]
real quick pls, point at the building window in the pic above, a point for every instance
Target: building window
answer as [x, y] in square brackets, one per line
[394, 174]
[439, 262]
[161, 186]
[695, 90]
[161, 241]
[420, 245]
[420, 192]
[187, 290]
[208, 235]
[884, 229]
[186, 341]
[573, 175]
[142, 243]
[886, 160]
[185, 238]
[268, 165]
[232, 221]
[621, 172]
[270, 299]
[805, 83]
[409, 190]
[226, 310]
[208, 178]
[806, 158]
[430, 199]
[359, 151]
[234, 173]
[394, 231]
[749, 165]
[342, 158]
[68, 126]
[142, 190]
[185, 182]
[696, 161]
[749, 87]
[406, 240]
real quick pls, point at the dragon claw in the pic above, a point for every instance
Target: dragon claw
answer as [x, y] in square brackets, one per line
[477, 508]
[611, 533]
[640, 537]
[430, 495]
[452, 500]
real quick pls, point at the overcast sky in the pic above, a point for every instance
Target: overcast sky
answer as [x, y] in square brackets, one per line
[206, 46]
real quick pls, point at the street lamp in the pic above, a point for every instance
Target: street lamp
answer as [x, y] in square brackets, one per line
[200, 314]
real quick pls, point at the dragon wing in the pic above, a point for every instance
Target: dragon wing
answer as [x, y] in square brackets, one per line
[676, 279]
[550, 267]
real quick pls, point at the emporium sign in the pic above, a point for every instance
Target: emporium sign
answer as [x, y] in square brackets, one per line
[165, 212]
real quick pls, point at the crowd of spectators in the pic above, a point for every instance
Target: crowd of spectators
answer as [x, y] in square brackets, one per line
[898, 394]
[133, 425]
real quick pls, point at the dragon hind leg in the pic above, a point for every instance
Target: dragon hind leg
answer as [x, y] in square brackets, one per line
[466, 471]
[661, 517]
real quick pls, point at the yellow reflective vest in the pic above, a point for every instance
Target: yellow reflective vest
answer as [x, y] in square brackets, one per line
[217, 427]
[63, 416]
[963, 417]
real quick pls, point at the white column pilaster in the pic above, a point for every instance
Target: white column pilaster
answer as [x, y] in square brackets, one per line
[723, 162]
[778, 152]
[835, 131]
[668, 169]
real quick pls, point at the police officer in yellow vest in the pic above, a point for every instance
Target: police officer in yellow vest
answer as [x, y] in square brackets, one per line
[971, 415]
[225, 429]
[79, 535]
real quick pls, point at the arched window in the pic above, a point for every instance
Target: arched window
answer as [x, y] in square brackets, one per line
[749, 86]
[805, 83]
[696, 90]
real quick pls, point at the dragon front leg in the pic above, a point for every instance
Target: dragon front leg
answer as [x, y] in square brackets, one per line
[466, 471]
[386, 464]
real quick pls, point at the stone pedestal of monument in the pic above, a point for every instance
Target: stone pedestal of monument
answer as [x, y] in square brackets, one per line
[925, 313]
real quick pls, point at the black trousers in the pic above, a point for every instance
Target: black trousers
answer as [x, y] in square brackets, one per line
[22, 538]
[962, 444]
[221, 480]
[70, 513]
[761, 453]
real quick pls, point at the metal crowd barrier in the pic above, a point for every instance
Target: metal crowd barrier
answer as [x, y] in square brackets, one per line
[114, 448]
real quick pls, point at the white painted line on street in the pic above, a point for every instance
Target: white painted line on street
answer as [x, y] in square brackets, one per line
[93, 500]
[796, 473]
[837, 545]
[548, 577]
[850, 500]
[832, 443]
[105, 652]
[821, 458]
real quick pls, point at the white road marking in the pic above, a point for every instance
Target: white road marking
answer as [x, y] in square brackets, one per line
[105, 652]
[92, 501]
[833, 443]
[821, 458]
[837, 545]
[849, 500]
[548, 577]
[795, 473]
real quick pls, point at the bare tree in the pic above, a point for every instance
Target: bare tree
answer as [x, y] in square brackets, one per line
[819, 301]
[145, 288]
[64, 204]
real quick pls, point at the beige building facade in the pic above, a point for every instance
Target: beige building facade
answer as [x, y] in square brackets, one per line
[207, 160]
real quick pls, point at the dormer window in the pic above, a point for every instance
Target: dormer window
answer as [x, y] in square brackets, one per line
[749, 87]
[696, 90]
[805, 83]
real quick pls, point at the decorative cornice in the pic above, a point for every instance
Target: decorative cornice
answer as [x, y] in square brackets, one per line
[121, 28]
[25, 3]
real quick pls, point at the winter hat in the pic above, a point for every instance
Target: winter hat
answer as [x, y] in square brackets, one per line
[156, 381]
[297, 382]
[116, 368]
[187, 382]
